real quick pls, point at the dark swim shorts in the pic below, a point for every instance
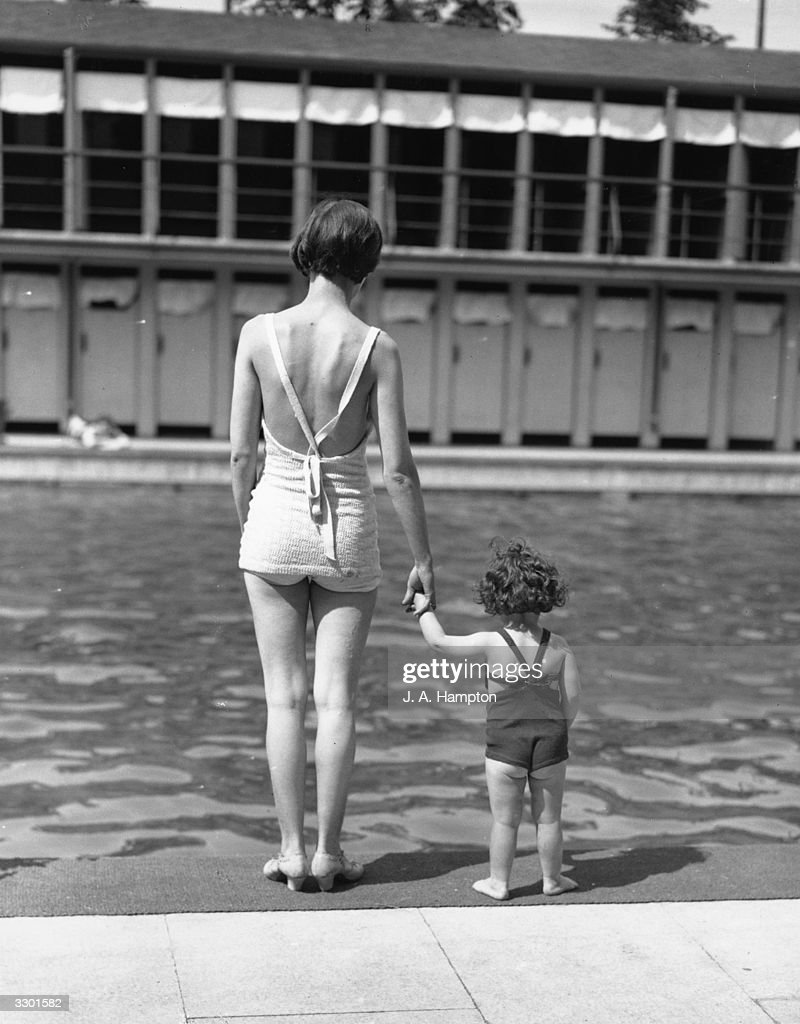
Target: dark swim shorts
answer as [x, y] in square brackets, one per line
[527, 743]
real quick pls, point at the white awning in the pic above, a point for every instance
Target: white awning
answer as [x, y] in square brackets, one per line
[416, 109]
[117, 94]
[189, 97]
[490, 113]
[562, 117]
[620, 314]
[31, 291]
[267, 101]
[757, 318]
[120, 292]
[552, 310]
[342, 106]
[628, 122]
[705, 127]
[31, 91]
[407, 305]
[690, 315]
[252, 298]
[183, 298]
[770, 131]
[481, 308]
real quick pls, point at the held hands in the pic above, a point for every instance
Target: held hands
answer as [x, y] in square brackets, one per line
[420, 592]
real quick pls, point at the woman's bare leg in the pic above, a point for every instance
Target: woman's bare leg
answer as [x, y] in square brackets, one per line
[280, 615]
[342, 622]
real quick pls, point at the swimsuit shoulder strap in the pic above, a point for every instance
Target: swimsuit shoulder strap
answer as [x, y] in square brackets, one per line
[352, 382]
[519, 655]
[288, 387]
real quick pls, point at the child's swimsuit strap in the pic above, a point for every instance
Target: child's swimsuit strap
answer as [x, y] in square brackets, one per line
[520, 657]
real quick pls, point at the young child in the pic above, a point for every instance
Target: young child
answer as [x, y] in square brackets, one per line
[535, 680]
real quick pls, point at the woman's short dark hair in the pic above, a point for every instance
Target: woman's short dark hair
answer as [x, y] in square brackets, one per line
[518, 580]
[340, 237]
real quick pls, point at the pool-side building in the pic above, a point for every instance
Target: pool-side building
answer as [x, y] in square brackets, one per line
[589, 243]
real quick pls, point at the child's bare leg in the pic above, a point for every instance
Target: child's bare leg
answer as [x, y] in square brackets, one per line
[547, 794]
[506, 785]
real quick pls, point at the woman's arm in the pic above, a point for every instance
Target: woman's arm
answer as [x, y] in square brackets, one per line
[245, 420]
[399, 471]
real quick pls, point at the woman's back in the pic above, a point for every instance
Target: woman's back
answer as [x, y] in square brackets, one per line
[320, 344]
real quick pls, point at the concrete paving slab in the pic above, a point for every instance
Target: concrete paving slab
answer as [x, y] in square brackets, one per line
[561, 964]
[294, 963]
[410, 1017]
[782, 1011]
[754, 943]
[116, 969]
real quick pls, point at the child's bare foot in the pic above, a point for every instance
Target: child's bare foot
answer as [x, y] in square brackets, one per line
[555, 886]
[489, 887]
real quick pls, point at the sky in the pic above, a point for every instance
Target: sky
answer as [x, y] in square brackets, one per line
[738, 18]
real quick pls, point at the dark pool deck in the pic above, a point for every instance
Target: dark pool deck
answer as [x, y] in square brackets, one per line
[694, 948]
[54, 459]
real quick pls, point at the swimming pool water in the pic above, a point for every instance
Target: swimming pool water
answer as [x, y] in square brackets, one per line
[132, 714]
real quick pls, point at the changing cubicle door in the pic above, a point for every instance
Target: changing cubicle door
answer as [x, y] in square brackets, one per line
[685, 369]
[480, 350]
[186, 332]
[408, 316]
[108, 358]
[755, 370]
[619, 358]
[34, 370]
[549, 365]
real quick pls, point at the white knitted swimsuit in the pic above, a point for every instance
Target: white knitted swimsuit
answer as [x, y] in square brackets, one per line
[313, 514]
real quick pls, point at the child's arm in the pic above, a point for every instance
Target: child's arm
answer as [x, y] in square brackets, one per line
[435, 636]
[570, 687]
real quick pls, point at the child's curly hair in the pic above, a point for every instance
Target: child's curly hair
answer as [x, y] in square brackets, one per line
[518, 579]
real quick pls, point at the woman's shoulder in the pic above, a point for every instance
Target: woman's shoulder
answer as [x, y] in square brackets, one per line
[558, 643]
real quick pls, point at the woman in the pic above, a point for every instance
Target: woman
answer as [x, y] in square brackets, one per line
[316, 378]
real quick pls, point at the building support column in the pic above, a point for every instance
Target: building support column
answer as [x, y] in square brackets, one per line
[648, 432]
[443, 362]
[303, 142]
[148, 412]
[223, 360]
[734, 238]
[68, 341]
[522, 179]
[448, 237]
[583, 384]
[514, 374]
[722, 352]
[594, 184]
[660, 244]
[150, 171]
[788, 386]
[379, 161]
[226, 226]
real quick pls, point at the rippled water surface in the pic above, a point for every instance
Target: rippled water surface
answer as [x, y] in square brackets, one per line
[132, 713]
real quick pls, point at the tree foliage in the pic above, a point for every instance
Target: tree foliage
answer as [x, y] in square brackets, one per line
[500, 15]
[664, 20]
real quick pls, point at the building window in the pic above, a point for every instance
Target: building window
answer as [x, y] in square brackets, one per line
[189, 176]
[33, 171]
[771, 184]
[630, 174]
[264, 155]
[414, 208]
[558, 193]
[340, 161]
[486, 190]
[698, 201]
[113, 196]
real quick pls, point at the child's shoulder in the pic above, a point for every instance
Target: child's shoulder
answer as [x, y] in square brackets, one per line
[559, 643]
